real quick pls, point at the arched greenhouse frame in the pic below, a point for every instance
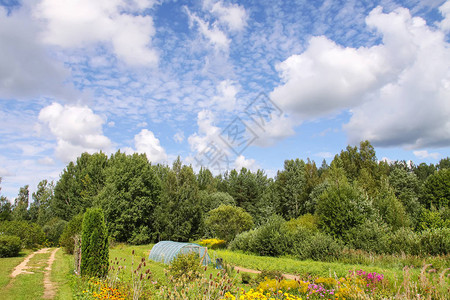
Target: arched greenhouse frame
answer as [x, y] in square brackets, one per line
[167, 251]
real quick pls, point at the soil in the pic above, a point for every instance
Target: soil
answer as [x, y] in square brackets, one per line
[22, 267]
[287, 276]
[49, 286]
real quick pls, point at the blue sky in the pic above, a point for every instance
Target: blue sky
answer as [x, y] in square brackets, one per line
[167, 78]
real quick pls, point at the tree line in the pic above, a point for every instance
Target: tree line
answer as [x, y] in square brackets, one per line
[144, 202]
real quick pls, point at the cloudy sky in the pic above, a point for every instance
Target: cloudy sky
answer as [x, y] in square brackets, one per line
[248, 83]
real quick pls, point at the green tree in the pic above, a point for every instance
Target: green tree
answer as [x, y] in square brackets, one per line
[290, 185]
[129, 198]
[20, 211]
[94, 244]
[341, 206]
[179, 217]
[73, 228]
[40, 210]
[406, 187]
[227, 221]
[390, 208]
[212, 201]
[79, 184]
[5, 207]
[436, 190]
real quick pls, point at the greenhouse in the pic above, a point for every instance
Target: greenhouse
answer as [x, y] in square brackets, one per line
[166, 251]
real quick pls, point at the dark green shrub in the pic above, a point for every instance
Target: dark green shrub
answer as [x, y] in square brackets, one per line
[321, 247]
[435, 241]
[370, 236]
[73, 228]
[244, 241]
[94, 244]
[246, 278]
[30, 234]
[186, 264]
[270, 238]
[404, 240]
[9, 245]
[53, 230]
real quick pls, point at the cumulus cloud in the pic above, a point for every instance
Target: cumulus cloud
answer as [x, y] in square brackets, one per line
[226, 95]
[207, 132]
[79, 23]
[397, 91]
[242, 162]
[445, 12]
[425, 154]
[146, 142]
[26, 70]
[77, 129]
[233, 16]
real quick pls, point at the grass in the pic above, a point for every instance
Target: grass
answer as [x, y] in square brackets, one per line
[8, 264]
[300, 267]
[60, 275]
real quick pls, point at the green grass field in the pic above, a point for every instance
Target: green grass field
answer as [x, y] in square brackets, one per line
[30, 286]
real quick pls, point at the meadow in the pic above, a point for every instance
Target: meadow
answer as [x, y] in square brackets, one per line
[406, 277]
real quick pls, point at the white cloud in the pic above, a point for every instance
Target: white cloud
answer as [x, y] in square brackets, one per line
[425, 154]
[233, 16]
[79, 23]
[146, 142]
[242, 162]
[325, 154]
[178, 137]
[26, 70]
[278, 128]
[207, 132]
[48, 161]
[226, 98]
[77, 129]
[445, 11]
[215, 36]
[4, 172]
[397, 91]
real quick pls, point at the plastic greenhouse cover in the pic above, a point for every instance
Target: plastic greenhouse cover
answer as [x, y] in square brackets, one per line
[166, 251]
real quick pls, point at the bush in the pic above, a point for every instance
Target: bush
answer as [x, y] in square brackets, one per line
[9, 245]
[404, 240]
[186, 264]
[321, 247]
[53, 230]
[435, 241]
[213, 243]
[73, 228]
[371, 236]
[30, 234]
[94, 244]
[307, 221]
[243, 241]
[268, 274]
[270, 238]
[227, 221]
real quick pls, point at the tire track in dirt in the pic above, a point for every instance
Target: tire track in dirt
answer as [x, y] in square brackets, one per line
[287, 276]
[23, 266]
[49, 286]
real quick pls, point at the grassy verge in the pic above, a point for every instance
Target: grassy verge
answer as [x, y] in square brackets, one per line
[28, 286]
[302, 268]
[61, 274]
[8, 264]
